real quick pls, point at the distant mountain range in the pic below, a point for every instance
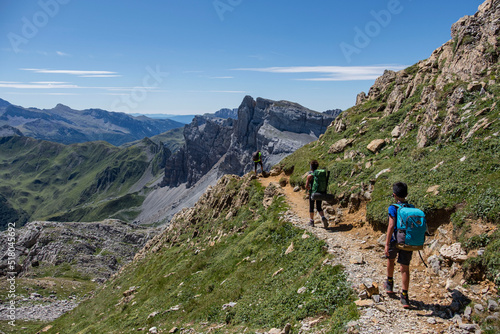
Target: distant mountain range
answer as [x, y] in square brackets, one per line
[68, 126]
[186, 119]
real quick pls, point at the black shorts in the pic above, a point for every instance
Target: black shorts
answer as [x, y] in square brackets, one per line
[311, 205]
[404, 257]
[256, 163]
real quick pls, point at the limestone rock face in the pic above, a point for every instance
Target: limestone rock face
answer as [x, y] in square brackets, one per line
[95, 249]
[276, 128]
[206, 140]
[464, 65]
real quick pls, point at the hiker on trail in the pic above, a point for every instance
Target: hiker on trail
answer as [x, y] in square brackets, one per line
[257, 159]
[400, 191]
[312, 185]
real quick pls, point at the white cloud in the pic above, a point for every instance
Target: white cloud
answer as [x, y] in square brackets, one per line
[71, 72]
[228, 77]
[62, 54]
[331, 73]
[35, 85]
[100, 76]
[49, 82]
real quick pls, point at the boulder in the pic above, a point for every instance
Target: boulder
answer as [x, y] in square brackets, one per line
[376, 145]
[338, 125]
[396, 132]
[492, 305]
[434, 190]
[426, 134]
[453, 252]
[340, 145]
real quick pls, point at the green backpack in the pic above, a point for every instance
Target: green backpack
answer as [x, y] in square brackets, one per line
[320, 182]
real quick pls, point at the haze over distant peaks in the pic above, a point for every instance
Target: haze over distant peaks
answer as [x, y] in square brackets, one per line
[62, 124]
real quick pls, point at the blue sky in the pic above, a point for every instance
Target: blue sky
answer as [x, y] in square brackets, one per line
[197, 56]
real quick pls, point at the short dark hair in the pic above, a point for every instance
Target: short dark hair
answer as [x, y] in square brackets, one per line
[400, 189]
[314, 164]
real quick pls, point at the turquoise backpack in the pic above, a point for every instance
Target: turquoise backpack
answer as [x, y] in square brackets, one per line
[411, 227]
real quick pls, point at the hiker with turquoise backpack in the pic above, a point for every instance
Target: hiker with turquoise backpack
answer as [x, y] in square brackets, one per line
[405, 234]
[316, 183]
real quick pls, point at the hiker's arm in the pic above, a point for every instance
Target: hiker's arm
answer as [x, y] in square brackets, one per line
[390, 231]
[308, 182]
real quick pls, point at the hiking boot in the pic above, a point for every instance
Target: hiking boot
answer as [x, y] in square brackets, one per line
[325, 222]
[311, 223]
[405, 301]
[389, 287]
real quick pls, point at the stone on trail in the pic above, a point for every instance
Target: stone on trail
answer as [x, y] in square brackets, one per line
[357, 259]
[364, 303]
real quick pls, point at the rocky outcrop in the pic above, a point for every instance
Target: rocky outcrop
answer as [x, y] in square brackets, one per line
[94, 250]
[464, 66]
[224, 199]
[207, 139]
[276, 128]
[224, 113]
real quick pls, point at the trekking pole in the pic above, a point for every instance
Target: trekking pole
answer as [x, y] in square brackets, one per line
[425, 264]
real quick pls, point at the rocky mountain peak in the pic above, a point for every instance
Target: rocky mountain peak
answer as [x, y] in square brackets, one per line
[61, 106]
[277, 128]
[4, 103]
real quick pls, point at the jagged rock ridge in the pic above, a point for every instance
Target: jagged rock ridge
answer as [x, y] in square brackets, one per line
[277, 128]
[471, 57]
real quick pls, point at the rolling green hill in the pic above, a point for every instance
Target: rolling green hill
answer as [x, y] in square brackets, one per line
[81, 182]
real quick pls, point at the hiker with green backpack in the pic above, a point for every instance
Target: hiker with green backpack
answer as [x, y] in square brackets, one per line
[317, 184]
[257, 160]
[405, 234]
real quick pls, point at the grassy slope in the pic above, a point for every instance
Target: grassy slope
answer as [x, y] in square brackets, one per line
[44, 178]
[172, 139]
[469, 190]
[199, 276]
[474, 183]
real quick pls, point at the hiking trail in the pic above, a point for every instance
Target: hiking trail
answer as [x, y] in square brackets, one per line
[355, 245]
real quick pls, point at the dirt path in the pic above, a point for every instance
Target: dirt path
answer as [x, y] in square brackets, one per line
[355, 246]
